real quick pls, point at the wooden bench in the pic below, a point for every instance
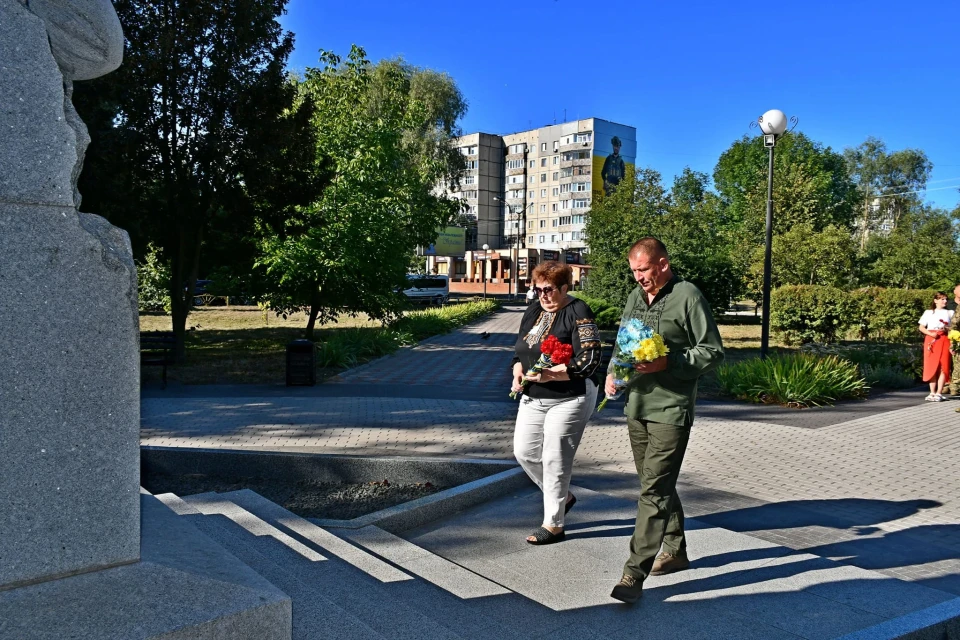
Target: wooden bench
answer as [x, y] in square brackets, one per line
[157, 350]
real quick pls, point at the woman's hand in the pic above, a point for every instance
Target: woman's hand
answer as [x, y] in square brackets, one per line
[552, 374]
[517, 385]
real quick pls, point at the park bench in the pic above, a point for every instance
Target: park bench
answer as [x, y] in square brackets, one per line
[157, 350]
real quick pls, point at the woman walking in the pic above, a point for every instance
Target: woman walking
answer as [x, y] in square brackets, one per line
[558, 401]
[934, 324]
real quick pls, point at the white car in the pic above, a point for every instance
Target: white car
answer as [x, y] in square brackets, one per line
[427, 289]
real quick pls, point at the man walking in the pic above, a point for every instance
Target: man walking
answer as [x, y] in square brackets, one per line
[660, 409]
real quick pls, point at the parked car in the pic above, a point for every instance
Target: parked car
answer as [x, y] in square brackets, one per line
[427, 289]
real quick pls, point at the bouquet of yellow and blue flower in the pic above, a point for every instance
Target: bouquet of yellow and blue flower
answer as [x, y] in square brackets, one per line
[552, 352]
[636, 343]
[954, 337]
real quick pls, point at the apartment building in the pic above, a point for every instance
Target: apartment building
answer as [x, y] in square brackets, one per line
[547, 180]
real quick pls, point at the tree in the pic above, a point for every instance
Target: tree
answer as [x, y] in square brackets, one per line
[384, 134]
[920, 253]
[802, 255]
[811, 185]
[635, 209]
[184, 122]
[888, 184]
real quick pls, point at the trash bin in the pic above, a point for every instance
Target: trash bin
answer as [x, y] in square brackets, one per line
[301, 363]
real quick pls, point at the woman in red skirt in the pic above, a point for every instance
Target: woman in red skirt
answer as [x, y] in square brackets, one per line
[934, 324]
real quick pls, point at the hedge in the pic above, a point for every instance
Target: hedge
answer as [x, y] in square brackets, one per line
[811, 313]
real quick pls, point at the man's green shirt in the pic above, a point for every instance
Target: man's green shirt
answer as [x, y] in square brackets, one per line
[681, 315]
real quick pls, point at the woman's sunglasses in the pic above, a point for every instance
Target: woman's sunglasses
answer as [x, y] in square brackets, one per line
[544, 291]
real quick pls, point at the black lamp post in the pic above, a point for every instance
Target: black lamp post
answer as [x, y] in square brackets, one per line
[773, 124]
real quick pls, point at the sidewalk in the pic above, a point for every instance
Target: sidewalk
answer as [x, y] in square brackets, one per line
[873, 484]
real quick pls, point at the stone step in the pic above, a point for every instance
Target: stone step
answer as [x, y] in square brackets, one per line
[366, 606]
[448, 594]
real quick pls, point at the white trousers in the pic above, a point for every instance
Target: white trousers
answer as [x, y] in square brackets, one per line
[545, 441]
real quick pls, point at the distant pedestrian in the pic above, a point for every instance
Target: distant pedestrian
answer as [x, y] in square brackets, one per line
[531, 294]
[934, 325]
[557, 402]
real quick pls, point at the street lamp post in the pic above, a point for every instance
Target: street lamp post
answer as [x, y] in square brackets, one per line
[773, 124]
[486, 248]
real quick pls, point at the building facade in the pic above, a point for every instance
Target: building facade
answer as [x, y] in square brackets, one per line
[537, 194]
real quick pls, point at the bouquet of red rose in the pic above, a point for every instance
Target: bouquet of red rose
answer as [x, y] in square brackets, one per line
[552, 353]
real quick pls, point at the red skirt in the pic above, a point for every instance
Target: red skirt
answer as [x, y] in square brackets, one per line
[936, 357]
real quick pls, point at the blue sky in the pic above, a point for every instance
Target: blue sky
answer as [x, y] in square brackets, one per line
[689, 76]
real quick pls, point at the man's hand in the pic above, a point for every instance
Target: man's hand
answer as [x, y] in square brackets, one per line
[651, 367]
[609, 387]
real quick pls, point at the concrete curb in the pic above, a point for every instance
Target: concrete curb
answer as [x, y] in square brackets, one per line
[939, 622]
[439, 505]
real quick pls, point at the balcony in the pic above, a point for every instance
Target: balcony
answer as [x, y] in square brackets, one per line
[576, 146]
[583, 162]
[516, 171]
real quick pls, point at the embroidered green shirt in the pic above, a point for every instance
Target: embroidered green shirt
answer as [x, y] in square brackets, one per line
[681, 315]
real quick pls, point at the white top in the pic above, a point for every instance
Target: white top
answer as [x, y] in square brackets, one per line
[531, 294]
[934, 319]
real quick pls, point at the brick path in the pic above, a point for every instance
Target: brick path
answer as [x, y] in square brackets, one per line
[883, 483]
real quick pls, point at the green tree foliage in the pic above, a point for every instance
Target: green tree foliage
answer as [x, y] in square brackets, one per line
[887, 184]
[804, 256]
[383, 134]
[811, 185]
[186, 123]
[635, 209]
[920, 253]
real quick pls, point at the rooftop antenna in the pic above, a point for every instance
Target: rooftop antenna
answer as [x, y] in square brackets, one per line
[564, 115]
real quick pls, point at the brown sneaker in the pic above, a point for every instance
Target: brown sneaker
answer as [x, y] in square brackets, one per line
[628, 590]
[669, 563]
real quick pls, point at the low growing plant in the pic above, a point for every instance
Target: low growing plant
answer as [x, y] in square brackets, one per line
[796, 380]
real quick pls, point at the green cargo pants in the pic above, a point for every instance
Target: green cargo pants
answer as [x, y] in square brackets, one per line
[658, 453]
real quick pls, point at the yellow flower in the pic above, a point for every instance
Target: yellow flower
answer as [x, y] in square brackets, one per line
[651, 349]
[954, 335]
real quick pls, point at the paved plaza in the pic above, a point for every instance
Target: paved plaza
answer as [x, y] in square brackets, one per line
[872, 485]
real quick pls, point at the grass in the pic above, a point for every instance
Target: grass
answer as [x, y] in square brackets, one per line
[794, 380]
[231, 345]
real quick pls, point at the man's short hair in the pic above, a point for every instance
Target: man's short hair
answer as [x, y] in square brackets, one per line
[649, 246]
[615, 141]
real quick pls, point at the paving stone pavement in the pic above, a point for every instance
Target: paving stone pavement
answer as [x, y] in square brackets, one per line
[879, 489]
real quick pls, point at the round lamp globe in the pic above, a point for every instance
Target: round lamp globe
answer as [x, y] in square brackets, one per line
[773, 122]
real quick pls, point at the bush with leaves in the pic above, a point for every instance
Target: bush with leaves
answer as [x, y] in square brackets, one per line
[804, 313]
[606, 315]
[153, 281]
[890, 314]
[797, 380]
[890, 366]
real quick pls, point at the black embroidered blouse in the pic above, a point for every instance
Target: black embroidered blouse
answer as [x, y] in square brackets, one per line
[573, 324]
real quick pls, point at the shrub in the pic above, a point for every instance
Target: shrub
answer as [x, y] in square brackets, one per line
[153, 281]
[798, 380]
[431, 322]
[806, 313]
[606, 314]
[890, 314]
[884, 365]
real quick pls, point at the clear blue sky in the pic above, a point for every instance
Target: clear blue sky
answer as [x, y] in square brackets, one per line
[689, 76]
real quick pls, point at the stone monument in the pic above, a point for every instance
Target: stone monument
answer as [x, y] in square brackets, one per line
[69, 393]
[82, 553]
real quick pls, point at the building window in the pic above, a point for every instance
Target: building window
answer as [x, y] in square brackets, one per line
[556, 159]
[578, 219]
[553, 237]
[543, 223]
[580, 186]
[556, 191]
[556, 175]
[554, 223]
[543, 193]
[470, 164]
[514, 164]
[566, 188]
[541, 239]
[564, 220]
[516, 148]
[533, 163]
[543, 146]
[515, 179]
[469, 151]
[470, 194]
[470, 180]
[577, 235]
[565, 204]
[581, 204]
[576, 155]
[582, 137]
[543, 208]
[556, 145]
[543, 177]
[553, 207]
[533, 179]
[529, 241]
[531, 194]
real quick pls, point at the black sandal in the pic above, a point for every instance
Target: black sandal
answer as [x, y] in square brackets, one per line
[545, 536]
[569, 505]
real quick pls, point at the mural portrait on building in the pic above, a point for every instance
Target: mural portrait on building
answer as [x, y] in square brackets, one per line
[613, 167]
